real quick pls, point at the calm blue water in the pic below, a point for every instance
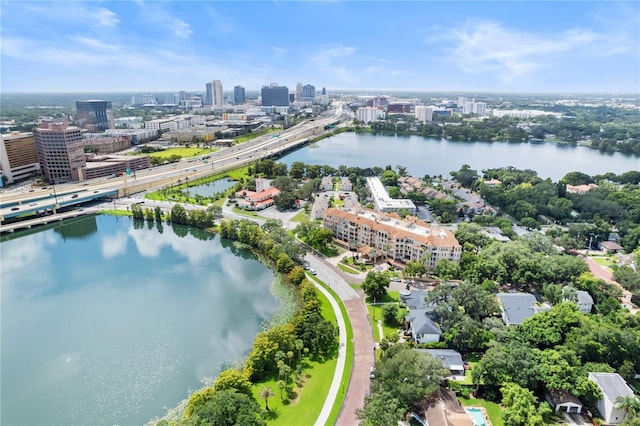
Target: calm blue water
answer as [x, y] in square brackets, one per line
[429, 156]
[476, 415]
[208, 189]
[108, 323]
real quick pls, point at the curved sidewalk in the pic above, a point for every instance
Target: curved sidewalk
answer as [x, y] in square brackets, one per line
[342, 358]
[364, 354]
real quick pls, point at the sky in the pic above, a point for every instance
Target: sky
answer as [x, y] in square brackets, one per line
[164, 46]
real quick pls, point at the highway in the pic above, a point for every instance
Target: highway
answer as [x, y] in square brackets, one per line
[16, 203]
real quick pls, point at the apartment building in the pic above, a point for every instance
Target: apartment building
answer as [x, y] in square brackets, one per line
[399, 240]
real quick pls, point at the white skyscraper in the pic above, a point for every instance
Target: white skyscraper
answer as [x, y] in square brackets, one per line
[423, 113]
[213, 95]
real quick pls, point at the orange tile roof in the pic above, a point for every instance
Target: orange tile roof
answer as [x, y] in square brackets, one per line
[441, 238]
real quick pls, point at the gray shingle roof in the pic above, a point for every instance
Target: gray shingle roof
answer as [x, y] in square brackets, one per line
[584, 298]
[451, 360]
[612, 385]
[421, 322]
[517, 306]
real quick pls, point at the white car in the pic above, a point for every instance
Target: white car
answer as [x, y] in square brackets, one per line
[313, 271]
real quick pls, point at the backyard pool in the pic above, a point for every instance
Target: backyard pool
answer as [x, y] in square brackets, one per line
[477, 416]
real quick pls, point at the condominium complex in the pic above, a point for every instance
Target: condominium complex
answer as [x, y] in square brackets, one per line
[18, 156]
[94, 115]
[423, 113]
[213, 95]
[60, 150]
[398, 240]
[369, 114]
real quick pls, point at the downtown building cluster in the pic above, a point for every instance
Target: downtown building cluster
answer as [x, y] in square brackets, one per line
[61, 152]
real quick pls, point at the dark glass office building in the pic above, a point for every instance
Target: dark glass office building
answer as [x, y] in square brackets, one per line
[95, 116]
[275, 95]
[238, 95]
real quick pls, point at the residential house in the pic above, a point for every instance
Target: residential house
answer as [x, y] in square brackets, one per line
[563, 401]
[584, 301]
[492, 182]
[443, 409]
[259, 199]
[418, 321]
[345, 184]
[326, 184]
[609, 247]
[423, 328]
[580, 189]
[517, 307]
[450, 359]
[613, 387]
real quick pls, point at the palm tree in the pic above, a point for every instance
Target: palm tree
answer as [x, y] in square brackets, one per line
[266, 392]
[630, 404]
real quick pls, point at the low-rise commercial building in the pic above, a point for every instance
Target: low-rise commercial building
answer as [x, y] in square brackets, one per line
[383, 202]
[18, 156]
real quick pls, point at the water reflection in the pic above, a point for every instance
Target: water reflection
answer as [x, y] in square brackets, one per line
[118, 324]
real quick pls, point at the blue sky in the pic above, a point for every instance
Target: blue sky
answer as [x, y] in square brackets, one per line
[158, 46]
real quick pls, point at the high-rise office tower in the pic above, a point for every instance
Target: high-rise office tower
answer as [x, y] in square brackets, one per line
[60, 151]
[213, 94]
[18, 156]
[298, 91]
[274, 95]
[308, 93]
[95, 115]
[324, 91]
[238, 95]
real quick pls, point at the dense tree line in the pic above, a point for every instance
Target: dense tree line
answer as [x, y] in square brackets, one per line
[603, 127]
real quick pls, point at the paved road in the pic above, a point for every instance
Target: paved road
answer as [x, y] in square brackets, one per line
[364, 353]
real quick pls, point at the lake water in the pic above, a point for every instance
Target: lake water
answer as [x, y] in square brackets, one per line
[104, 322]
[211, 188]
[424, 156]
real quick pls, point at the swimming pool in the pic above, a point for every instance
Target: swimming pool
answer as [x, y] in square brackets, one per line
[477, 416]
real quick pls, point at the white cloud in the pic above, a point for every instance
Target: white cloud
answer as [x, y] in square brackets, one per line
[106, 17]
[331, 61]
[490, 47]
[279, 50]
[114, 245]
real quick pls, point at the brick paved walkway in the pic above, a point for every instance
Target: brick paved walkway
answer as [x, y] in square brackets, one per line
[364, 359]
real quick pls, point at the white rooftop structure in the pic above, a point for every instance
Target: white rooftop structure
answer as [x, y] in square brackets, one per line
[383, 202]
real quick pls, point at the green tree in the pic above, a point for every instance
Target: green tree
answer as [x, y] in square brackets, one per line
[630, 404]
[403, 376]
[447, 270]
[390, 313]
[227, 408]
[265, 393]
[375, 285]
[521, 407]
[232, 379]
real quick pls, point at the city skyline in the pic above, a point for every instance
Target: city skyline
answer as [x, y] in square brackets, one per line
[589, 47]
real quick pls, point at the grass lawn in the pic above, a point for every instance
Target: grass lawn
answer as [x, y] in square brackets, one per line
[301, 216]
[182, 152]
[302, 405]
[253, 135]
[299, 405]
[493, 409]
[386, 329]
[347, 269]
[348, 366]
[117, 212]
[249, 213]
[604, 261]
